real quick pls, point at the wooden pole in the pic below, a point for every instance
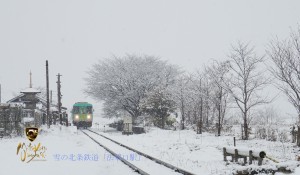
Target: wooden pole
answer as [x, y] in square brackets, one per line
[236, 155]
[234, 141]
[47, 86]
[0, 93]
[224, 154]
[260, 161]
[50, 96]
[59, 98]
[250, 157]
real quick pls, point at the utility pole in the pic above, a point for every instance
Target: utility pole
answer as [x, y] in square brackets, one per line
[0, 93]
[47, 86]
[50, 96]
[59, 98]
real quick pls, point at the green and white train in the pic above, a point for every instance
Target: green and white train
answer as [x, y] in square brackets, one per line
[82, 114]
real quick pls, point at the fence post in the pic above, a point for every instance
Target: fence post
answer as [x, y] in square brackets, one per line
[245, 160]
[236, 155]
[234, 141]
[225, 154]
[260, 161]
[250, 157]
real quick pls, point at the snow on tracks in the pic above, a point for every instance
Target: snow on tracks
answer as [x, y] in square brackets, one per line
[146, 164]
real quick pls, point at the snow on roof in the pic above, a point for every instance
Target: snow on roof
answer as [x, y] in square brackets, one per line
[16, 99]
[30, 90]
[27, 119]
[53, 108]
[38, 111]
[4, 104]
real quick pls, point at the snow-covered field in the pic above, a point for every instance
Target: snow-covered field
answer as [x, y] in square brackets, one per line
[71, 152]
[66, 154]
[200, 154]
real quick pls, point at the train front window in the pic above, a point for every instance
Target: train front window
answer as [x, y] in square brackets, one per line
[82, 110]
[76, 110]
[89, 109]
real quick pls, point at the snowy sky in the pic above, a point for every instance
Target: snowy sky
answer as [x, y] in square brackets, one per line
[74, 34]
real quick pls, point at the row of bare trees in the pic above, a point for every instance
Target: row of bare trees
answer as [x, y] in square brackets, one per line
[243, 77]
[146, 84]
[238, 80]
[285, 54]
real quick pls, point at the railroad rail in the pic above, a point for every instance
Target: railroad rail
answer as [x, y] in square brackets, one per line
[140, 171]
[136, 169]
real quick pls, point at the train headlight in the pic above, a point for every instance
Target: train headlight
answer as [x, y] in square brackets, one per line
[76, 117]
[88, 116]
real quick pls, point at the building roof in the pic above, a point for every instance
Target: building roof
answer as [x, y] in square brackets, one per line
[17, 99]
[30, 90]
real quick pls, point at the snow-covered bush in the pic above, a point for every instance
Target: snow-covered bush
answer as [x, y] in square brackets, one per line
[272, 133]
[170, 121]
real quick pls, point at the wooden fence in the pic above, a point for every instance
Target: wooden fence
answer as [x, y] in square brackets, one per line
[237, 153]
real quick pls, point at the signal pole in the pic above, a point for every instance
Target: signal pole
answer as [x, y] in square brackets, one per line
[47, 85]
[59, 98]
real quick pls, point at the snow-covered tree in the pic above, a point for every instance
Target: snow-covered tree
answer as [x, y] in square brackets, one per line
[180, 95]
[197, 97]
[123, 83]
[160, 105]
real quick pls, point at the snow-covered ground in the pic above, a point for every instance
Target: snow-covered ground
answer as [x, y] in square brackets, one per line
[82, 155]
[71, 152]
[200, 154]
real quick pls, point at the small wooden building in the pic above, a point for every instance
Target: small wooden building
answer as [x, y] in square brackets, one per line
[127, 129]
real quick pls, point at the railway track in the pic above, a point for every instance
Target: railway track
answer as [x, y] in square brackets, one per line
[148, 165]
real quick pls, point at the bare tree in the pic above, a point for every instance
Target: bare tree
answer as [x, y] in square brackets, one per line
[197, 98]
[245, 81]
[286, 57]
[180, 96]
[217, 72]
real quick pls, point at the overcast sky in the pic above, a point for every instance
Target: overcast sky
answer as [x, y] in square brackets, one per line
[74, 34]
